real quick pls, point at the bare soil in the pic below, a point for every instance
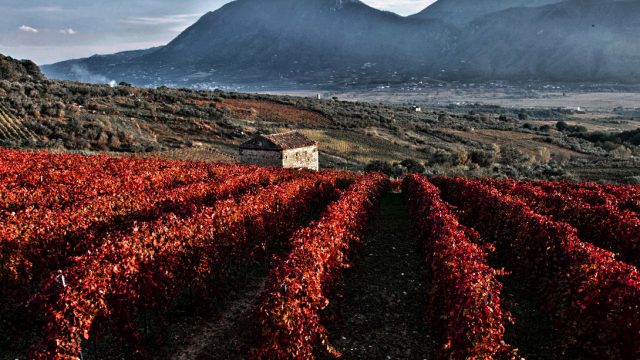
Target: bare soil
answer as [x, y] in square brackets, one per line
[532, 334]
[384, 295]
[273, 111]
[222, 335]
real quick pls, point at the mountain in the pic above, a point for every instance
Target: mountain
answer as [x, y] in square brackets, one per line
[280, 40]
[309, 43]
[462, 12]
[576, 40]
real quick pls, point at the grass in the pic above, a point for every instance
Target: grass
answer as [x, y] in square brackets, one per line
[359, 147]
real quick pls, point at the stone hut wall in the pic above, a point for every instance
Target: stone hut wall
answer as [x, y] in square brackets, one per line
[301, 158]
[261, 157]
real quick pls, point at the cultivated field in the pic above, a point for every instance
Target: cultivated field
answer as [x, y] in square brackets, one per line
[272, 111]
[506, 96]
[13, 128]
[107, 257]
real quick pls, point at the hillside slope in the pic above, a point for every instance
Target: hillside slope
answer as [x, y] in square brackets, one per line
[472, 140]
[19, 70]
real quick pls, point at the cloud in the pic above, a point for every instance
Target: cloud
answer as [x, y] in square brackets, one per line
[161, 20]
[28, 29]
[48, 9]
[68, 31]
[179, 29]
[402, 7]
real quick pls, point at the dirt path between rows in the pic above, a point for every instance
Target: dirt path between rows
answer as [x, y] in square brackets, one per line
[222, 335]
[383, 307]
[384, 296]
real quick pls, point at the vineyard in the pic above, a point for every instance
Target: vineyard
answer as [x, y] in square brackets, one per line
[111, 258]
[12, 128]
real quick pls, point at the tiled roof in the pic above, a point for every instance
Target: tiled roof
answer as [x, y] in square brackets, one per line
[283, 141]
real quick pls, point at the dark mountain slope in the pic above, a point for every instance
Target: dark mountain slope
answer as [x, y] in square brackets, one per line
[289, 38]
[284, 40]
[345, 42]
[461, 12]
[578, 40]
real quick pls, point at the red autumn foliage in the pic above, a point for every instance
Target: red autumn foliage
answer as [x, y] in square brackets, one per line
[288, 323]
[624, 197]
[38, 241]
[464, 295]
[32, 180]
[114, 238]
[592, 297]
[629, 196]
[147, 268]
[595, 214]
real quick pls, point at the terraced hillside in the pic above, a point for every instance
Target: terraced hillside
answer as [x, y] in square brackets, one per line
[12, 128]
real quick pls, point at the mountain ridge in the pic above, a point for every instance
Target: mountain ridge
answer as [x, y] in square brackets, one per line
[346, 42]
[461, 12]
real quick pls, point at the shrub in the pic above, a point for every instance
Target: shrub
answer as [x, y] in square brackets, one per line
[413, 166]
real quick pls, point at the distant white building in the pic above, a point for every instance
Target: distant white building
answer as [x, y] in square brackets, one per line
[417, 109]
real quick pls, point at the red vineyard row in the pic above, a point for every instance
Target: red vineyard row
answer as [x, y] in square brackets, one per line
[625, 197]
[288, 321]
[592, 297]
[44, 239]
[41, 180]
[148, 267]
[464, 296]
[592, 212]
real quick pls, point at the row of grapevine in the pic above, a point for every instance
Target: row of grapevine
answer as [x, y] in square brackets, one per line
[44, 180]
[42, 240]
[592, 297]
[592, 194]
[629, 196]
[596, 216]
[621, 197]
[624, 197]
[465, 293]
[148, 267]
[288, 322]
[12, 128]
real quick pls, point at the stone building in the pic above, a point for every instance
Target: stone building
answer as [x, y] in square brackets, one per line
[287, 150]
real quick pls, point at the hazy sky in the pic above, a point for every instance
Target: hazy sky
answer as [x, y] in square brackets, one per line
[52, 30]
